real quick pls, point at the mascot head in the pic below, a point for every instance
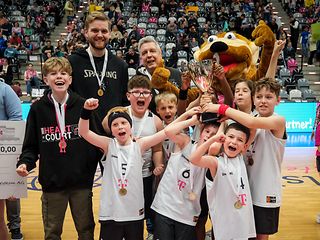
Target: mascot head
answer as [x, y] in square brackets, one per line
[235, 53]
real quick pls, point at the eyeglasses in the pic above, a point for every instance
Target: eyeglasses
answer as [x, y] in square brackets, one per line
[138, 94]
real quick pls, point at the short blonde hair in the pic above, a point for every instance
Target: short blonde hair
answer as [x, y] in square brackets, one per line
[112, 110]
[56, 64]
[166, 96]
[96, 16]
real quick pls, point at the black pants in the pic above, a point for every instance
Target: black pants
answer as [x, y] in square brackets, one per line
[130, 230]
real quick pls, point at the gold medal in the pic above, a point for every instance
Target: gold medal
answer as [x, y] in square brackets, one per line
[100, 92]
[122, 191]
[62, 144]
[192, 196]
[238, 204]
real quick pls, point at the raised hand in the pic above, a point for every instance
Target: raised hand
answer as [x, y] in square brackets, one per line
[91, 104]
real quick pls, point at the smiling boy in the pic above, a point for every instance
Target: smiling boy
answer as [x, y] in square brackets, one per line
[67, 163]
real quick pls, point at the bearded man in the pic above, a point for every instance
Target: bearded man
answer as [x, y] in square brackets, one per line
[96, 72]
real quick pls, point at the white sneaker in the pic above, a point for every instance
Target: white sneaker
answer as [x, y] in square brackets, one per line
[318, 218]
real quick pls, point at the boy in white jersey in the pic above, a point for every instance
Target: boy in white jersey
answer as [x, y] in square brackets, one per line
[145, 123]
[228, 191]
[122, 202]
[177, 201]
[264, 171]
[166, 106]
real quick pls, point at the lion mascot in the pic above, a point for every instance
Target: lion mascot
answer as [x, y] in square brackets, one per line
[238, 55]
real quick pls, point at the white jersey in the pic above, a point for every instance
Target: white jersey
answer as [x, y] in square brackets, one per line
[172, 197]
[230, 184]
[142, 127]
[114, 206]
[265, 173]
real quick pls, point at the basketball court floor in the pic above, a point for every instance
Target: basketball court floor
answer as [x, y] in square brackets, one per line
[301, 201]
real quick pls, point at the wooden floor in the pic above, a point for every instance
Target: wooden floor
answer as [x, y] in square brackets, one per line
[301, 202]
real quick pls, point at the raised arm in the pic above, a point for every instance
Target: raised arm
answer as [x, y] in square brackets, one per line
[278, 47]
[173, 130]
[199, 157]
[275, 123]
[101, 142]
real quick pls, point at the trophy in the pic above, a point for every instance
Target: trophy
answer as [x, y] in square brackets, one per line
[202, 76]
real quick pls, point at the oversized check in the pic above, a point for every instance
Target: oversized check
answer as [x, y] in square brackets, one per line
[11, 140]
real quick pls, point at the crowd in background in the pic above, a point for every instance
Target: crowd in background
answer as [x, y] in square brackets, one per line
[185, 24]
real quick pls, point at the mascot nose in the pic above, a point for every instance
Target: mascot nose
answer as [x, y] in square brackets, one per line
[218, 47]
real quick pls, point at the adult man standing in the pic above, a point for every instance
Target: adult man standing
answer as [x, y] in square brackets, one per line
[151, 59]
[96, 71]
[10, 109]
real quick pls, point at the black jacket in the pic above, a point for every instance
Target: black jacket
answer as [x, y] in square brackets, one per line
[74, 169]
[85, 83]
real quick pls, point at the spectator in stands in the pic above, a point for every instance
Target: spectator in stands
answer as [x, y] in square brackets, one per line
[28, 30]
[133, 20]
[115, 35]
[305, 37]
[47, 50]
[15, 40]
[10, 53]
[70, 9]
[125, 43]
[6, 71]
[282, 35]
[294, 31]
[273, 26]
[313, 48]
[3, 44]
[17, 29]
[132, 58]
[31, 78]
[27, 45]
[121, 25]
[134, 34]
[16, 86]
[5, 25]
[288, 51]
[192, 21]
[172, 28]
[59, 51]
[119, 54]
[173, 59]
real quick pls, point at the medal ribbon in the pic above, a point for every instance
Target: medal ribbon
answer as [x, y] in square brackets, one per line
[192, 169]
[121, 156]
[237, 174]
[60, 115]
[104, 68]
[144, 119]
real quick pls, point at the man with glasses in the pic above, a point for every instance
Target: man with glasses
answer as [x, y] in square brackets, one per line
[96, 71]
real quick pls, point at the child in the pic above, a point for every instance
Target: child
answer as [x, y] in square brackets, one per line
[264, 172]
[67, 163]
[166, 106]
[145, 123]
[182, 183]
[229, 197]
[243, 95]
[122, 202]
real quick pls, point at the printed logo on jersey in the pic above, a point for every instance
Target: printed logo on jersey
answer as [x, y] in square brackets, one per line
[53, 134]
[271, 199]
[183, 176]
[109, 74]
